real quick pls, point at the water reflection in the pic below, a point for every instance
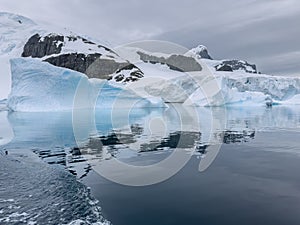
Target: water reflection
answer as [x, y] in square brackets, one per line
[238, 136]
[141, 136]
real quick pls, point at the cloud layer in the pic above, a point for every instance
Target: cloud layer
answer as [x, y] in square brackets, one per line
[262, 31]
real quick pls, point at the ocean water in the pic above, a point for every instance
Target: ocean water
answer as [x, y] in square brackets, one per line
[34, 193]
[178, 165]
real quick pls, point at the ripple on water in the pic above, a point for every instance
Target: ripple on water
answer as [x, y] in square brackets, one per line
[32, 192]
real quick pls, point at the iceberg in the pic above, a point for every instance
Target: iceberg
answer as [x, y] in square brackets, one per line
[39, 86]
[246, 89]
[217, 93]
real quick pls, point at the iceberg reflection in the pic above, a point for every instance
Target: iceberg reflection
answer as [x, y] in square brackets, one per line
[139, 137]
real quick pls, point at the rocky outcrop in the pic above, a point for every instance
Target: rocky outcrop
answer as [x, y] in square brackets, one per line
[95, 65]
[38, 47]
[74, 61]
[104, 68]
[224, 67]
[175, 62]
[133, 74]
[238, 65]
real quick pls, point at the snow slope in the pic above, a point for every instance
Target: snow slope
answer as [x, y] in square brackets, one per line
[14, 30]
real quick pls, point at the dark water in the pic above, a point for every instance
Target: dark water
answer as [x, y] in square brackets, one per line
[242, 166]
[250, 183]
[32, 192]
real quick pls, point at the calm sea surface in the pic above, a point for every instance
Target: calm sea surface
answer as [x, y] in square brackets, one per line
[151, 166]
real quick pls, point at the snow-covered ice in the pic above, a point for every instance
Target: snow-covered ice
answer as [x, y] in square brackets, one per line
[38, 86]
[240, 88]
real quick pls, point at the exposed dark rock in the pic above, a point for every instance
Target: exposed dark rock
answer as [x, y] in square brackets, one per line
[87, 41]
[240, 65]
[137, 73]
[130, 79]
[102, 68]
[107, 49]
[183, 63]
[91, 64]
[175, 62]
[127, 66]
[74, 61]
[76, 151]
[38, 47]
[204, 54]
[72, 38]
[119, 77]
[224, 67]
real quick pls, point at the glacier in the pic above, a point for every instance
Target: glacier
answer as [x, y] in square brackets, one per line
[240, 88]
[39, 86]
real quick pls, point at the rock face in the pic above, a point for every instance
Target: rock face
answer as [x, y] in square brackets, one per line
[224, 67]
[175, 62]
[38, 47]
[240, 65]
[101, 63]
[109, 67]
[74, 61]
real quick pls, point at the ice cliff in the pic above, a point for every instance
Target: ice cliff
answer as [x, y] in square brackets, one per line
[39, 86]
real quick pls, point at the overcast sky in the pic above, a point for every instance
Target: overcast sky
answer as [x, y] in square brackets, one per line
[265, 32]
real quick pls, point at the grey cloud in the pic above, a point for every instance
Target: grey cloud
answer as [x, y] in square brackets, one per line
[261, 39]
[255, 30]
